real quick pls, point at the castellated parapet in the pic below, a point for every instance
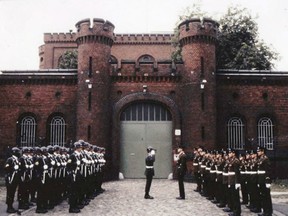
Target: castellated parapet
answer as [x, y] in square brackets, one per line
[101, 31]
[59, 37]
[197, 29]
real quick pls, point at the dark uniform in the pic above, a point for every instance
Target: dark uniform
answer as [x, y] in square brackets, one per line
[73, 166]
[264, 182]
[42, 179]
[26, 167]
[196, 169]
[234, 183]
[243, 175]
[12, 178]
[181, 171]
[149, 171]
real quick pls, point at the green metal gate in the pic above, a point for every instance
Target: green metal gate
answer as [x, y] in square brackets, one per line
[143, 125]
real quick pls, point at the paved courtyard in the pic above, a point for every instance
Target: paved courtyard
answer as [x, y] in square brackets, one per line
[125, 197]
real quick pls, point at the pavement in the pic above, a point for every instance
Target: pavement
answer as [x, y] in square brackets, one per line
[126, 198]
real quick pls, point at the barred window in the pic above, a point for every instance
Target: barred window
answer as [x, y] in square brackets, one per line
[28, 131]
[265, 133]
[235, 133]
[145, 112]
[57, 131]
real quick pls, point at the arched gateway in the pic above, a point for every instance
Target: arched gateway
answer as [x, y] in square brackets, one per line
[143, 124]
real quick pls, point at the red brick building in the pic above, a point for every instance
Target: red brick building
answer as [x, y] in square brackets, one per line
[127, 94]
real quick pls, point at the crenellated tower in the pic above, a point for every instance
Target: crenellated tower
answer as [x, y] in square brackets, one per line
[198, 37]
[94, 41]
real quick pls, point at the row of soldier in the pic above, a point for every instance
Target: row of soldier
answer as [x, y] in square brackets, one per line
[48, 175]
[221, 175]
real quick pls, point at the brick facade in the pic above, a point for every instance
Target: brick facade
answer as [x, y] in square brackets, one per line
[112, 72]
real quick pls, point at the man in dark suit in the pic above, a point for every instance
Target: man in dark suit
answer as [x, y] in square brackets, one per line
[149, 171]
[181, 159]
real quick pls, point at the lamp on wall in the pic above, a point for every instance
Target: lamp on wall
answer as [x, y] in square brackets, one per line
[145, 88]
[90, 86]
[202, 84]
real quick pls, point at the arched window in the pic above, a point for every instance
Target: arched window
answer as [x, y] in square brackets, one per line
[265, 133]
[57, 131]
[235, 129]
[28, 131]
[146, 59]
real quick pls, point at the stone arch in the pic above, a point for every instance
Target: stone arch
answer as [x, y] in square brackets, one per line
[141, 96]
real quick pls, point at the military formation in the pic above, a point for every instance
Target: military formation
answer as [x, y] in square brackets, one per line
[46, 176]
[222, 175]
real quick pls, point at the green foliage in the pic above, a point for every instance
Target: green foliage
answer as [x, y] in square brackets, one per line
[69, 60]
[238, 44]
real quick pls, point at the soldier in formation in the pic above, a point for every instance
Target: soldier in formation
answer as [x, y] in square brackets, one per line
[222, 175]
[49, 175]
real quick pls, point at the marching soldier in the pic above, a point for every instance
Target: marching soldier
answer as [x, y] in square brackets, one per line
[264, 182]
[12, 178]
[149, 171]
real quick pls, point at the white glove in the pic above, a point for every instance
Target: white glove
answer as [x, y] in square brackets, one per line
[237, 186]
[268, 185]
[45, 167]
[153, 152]
[16, 167]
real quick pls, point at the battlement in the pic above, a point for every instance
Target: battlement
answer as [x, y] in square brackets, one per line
[59, 37]
[98, 27]
[142, 38]
[196, 28]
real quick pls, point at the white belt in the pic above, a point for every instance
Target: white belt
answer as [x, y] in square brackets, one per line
[202, 166]
[212, 171]
[231, 173]
[243, 172]
[225, 174]
[149, 167]
[261, 172]
[208, 168]
[219, 172]
[253, 172]
[195, 164]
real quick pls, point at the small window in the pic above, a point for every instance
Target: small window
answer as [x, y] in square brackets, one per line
[28, 131]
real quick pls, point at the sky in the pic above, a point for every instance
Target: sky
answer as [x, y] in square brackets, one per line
[24, 22]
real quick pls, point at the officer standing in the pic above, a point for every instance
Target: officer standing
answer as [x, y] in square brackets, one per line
[12, 178]
[181, 159]
[149, 171]
[26, 166]
[264, 182]
[42, 178]
[73, 166]
[234, 183]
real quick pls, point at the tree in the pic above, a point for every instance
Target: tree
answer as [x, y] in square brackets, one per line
[69, 60]
[238, 44]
